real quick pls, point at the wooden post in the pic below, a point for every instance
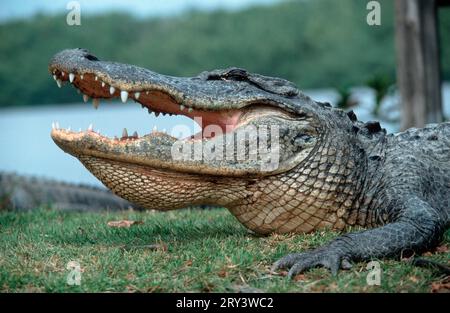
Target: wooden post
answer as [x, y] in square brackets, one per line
[418, 64]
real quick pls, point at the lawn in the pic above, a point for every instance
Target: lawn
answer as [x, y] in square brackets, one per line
[186, 250]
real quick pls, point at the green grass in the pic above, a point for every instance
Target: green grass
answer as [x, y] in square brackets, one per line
[204, 251]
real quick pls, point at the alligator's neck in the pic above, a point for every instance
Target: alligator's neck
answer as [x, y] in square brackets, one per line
[324, 191]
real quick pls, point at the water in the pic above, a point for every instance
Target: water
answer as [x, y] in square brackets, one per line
[26, 146]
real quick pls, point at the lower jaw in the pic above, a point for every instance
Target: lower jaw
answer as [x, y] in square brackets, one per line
[162, 190]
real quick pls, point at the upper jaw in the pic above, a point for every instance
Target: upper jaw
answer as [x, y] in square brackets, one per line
[219, 89]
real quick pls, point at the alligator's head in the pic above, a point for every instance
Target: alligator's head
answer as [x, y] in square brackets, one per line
[258, 135]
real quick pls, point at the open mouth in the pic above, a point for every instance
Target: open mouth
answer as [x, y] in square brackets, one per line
[96, 89]
[224, 103]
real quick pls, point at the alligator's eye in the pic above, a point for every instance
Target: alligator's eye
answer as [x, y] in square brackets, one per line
[301, 139]
[238, 74]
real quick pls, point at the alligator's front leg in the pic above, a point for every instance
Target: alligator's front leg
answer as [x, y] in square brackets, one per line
[418, 227]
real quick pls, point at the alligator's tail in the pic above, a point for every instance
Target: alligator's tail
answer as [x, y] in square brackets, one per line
[27, 193]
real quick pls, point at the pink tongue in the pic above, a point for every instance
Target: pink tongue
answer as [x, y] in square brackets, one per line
[215, 123]
[225, 120]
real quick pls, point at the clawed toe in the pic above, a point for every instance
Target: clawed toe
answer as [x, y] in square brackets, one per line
[300, 262]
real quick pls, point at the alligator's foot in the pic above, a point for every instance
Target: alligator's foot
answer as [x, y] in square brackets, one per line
[329, 257]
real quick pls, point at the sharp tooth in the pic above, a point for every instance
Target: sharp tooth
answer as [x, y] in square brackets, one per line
[53, 125]
[103, 84]
[181, 107]
[136, 95]
[85, 98]
[81, 76]
[59, 83]
[90, 128]
[96, 103]
[71, 77]
[79, 130]
[135, 134]
[155, 129]
[55, 77]
[156, 114]
[57, 125]
[69, 129]
[62, 73]
[112, 90]
[190, 110]
[124, 96]
[96, 78]
[124, 133]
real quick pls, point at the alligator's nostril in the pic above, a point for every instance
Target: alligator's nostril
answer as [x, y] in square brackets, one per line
[91, 57]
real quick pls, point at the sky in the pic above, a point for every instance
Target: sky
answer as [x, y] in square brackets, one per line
[16, 9]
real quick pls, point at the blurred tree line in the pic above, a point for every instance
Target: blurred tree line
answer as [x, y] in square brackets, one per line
[320, 43]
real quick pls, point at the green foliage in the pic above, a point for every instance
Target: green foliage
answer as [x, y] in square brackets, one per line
[316, 43]
[345, 100]
[382, 85]
[200, 250]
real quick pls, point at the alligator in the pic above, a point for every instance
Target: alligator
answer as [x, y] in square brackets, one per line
[314, 166]
[22, 193]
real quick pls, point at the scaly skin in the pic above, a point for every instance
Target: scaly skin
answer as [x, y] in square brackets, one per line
[334, 171]
[27, 193]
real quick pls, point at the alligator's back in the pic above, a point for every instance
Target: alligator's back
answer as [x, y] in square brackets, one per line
[419, 159]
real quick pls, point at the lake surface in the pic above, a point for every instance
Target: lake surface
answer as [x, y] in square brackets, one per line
[26, 146]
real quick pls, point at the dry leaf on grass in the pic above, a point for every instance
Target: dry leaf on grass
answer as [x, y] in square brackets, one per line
[131, 288]
[439, 249]
[442, 249]
[124, 223]
[324, 288]
[208, 287]
[300, 277]
[222, 273]
[439, 287]
[282, 273]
